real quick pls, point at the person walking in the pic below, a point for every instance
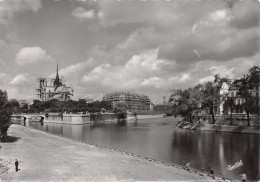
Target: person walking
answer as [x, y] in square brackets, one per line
[211, 173]
[243, 177]
[16, 165]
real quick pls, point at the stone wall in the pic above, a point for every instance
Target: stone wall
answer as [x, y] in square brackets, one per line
[237, 119]
[78, 118]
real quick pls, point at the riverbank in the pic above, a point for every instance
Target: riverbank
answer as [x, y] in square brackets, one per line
[220, 128]
[46, 157]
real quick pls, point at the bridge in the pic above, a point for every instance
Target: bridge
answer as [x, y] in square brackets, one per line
[26, 118]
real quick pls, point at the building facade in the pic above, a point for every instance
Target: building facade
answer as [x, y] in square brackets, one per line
[55, 90]
[135, 102]
[231, 89]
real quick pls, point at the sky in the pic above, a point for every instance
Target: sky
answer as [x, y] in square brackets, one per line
[142, 46]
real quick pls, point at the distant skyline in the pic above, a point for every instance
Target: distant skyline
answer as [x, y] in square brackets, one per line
[148, 47]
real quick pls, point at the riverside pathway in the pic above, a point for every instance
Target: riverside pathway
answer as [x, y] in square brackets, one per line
[46, 157]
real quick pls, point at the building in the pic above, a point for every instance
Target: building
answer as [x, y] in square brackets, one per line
[224, 90]
[135, 102]
[231, 89]
[55, 90]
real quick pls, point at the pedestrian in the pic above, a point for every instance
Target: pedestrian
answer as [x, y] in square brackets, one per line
[243, 177]
[257, 179]
[16, 165]
[187, 166]
[211, 173]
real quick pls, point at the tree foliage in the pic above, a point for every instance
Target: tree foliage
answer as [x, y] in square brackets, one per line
[14, 103]
[207, 96]
[210, 94]
[247, 86]
[5, 114]
[55, 105]
[186, 102]
[189, 102]
[120, 110]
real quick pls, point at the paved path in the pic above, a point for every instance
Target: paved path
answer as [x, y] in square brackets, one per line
[46, 157]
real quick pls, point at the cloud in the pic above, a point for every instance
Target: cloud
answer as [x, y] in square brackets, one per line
[83, 14]
[97, 73]
[74, 68]
[140, 71]
[9, 7]
[4, 78]
[177, 31]
[152, 81]
[22, 80]
[245, 15]
[32, 55]
[206, 79]
[149, 47]
[219, 16]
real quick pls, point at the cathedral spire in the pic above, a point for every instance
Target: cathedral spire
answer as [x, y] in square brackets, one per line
[57, 73]
[57, 82]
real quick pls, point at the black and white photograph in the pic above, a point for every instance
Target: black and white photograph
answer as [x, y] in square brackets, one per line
[130, 90]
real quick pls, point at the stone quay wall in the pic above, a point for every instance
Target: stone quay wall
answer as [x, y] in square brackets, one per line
[235, 119]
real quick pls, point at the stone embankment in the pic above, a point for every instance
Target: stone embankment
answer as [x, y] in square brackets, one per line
[155, 116]
[47, 157]
[220, 128]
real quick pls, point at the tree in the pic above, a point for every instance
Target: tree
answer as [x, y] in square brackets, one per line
[211, 94]
[5, 114]
[35, 106]
[229, 103]
[25, 106]
[120, 110]
[81, 102]
[186, 102]
[14, 103]
[247, 87]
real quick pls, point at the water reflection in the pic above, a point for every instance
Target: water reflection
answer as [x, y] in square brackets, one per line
[160, 139]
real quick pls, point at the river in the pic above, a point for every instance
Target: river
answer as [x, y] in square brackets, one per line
[162, 140]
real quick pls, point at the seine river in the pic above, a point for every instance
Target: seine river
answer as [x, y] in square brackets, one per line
[161, 139]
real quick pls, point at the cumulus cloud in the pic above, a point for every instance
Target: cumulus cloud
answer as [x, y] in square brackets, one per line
[22, 80]
[150, 47]
[32, 55]
[74, 68]
[178, 31]
[143, 70]
[152, 81]
[83, 14]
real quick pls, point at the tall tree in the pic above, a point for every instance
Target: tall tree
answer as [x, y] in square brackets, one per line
[247, 88]
[186, 103]
[211, 94]
[5, 114]
[14, 103]
[229, 104]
